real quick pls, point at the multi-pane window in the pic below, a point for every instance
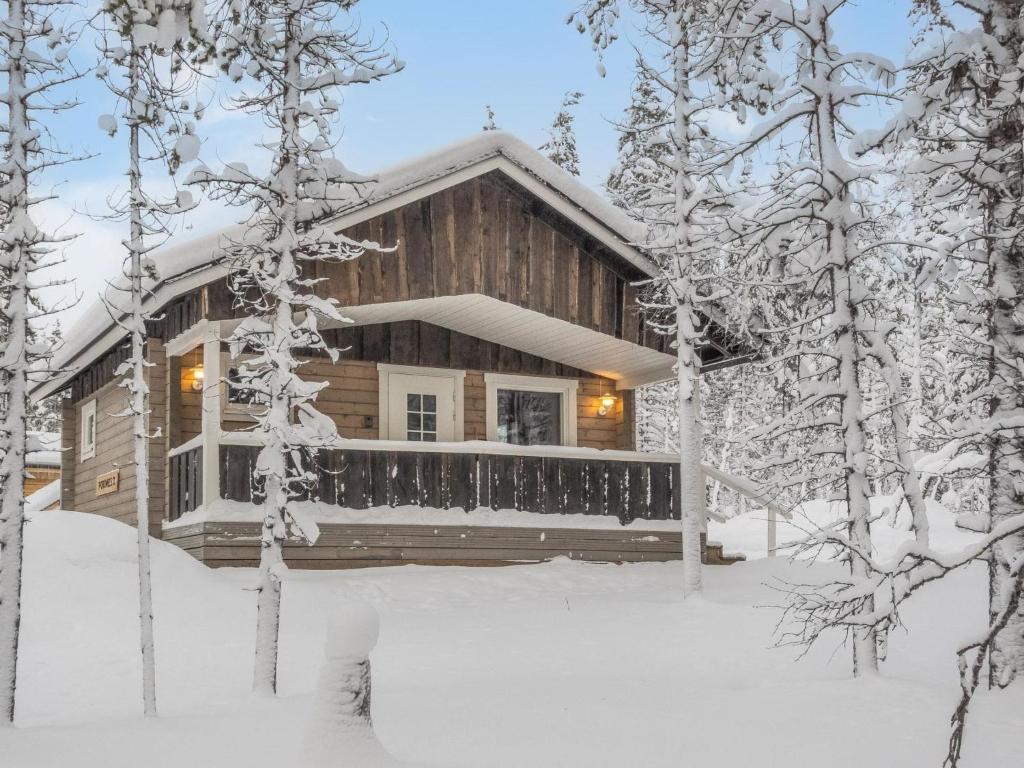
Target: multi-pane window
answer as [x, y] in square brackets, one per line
[529, 418]
[421, 418]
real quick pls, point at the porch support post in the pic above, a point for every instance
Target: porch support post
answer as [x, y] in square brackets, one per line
[702, 488]
[212, 392]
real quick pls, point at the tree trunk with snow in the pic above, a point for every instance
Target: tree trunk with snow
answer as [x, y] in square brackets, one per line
[33, 54]
[132, 42]
[18, 232]
[138, 389]
[293, 57]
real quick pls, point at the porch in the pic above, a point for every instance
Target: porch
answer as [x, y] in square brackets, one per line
[585, 504]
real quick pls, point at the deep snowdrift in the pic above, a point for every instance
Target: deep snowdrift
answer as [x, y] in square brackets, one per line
[563, 664]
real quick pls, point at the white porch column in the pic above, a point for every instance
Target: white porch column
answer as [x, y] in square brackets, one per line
[702, 495]
[212, 393]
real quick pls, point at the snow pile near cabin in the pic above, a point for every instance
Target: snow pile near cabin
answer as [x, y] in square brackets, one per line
[747, 534]
[556, 666]
[225, 511]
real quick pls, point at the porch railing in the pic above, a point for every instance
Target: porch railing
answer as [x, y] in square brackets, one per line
[546, 484]
[185, 489]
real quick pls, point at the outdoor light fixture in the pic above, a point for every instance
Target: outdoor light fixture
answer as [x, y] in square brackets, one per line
[197, 378]
[607, 403]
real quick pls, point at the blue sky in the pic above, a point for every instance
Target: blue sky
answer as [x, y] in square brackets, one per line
[519, 56]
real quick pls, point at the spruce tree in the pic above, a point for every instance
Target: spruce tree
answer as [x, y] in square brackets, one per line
[561, 146]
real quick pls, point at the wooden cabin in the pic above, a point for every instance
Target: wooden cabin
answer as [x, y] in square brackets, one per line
[490, 366]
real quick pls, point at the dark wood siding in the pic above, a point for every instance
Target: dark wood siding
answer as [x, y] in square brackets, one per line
[551, 485]
[416, 343]
[487, 236]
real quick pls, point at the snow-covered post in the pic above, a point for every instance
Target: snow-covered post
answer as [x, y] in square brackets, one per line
[146, 30]
[34, 56]
[293, 56]
[341, 728]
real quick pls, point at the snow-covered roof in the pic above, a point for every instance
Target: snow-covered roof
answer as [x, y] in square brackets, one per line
[43, 449]
[484, 146]
[176, 264]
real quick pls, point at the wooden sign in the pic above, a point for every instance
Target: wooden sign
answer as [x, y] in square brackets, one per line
[108, 482]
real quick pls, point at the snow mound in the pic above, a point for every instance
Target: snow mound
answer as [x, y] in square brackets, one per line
[353, 631]
[80, 635]
[747, 534]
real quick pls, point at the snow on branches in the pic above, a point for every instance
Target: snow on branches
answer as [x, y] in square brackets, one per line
[561, 146]
[290, 59]
[156, 103]
[681, 210]
[34, 48]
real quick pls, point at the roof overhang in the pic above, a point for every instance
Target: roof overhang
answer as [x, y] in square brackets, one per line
[487, 318]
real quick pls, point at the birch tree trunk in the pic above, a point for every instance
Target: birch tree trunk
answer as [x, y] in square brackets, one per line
[687, 361]
[845, 295]
[14, 361]
[1006, 496]
[139, 392]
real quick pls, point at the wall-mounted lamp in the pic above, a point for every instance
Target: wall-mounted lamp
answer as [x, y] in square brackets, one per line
[607, 403]
[197, 378]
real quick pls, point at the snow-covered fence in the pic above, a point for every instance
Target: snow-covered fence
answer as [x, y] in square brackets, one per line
[635, 489]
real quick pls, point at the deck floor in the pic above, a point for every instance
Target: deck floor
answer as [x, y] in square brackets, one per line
[366, 545]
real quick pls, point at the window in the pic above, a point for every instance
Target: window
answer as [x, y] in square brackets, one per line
[529, 418]
[421, 418]
[88, 430]
[531, 410]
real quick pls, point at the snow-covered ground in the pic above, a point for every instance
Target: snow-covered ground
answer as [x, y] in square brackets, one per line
[563, 664]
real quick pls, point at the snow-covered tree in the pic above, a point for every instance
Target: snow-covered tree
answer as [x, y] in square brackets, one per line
[812, 223]
[560, 147]
[46, 413]
[143, 55]
[291, 58]
[34, 45]
[964, 114]
[643, 165]
[680, 32]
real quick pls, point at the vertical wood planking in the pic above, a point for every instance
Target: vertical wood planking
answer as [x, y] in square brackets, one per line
[442, 236]
[493, 228]
[541, 276]
[539, 484]
[468, 236]
[519, 225]
[394, 265]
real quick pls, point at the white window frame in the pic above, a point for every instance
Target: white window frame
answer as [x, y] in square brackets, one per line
[89, 445]
[384, 371]
[565, 387]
